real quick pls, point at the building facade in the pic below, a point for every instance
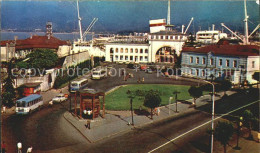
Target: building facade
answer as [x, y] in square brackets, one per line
[235, 62]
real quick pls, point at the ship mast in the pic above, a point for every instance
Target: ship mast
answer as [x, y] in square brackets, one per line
[79, 18]
[246, 24]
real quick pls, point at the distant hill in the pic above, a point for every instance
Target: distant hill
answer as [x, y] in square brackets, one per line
[124, 15]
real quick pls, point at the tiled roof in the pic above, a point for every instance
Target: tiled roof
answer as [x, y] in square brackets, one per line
[37, 42]
[230, 50]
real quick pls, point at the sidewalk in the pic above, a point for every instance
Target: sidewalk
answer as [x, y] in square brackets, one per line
[117, 122]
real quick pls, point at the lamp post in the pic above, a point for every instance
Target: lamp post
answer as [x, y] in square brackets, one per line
[170, 105]
[131, 96]
[131, 102]
[176, 93]
[212, 115]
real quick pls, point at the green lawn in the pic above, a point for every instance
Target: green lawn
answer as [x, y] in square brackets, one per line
[118, 100]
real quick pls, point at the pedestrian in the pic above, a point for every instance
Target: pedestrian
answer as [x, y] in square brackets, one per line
[88, 124]
[29, 150]
[3, 147]
[158, 111]
[4, 109]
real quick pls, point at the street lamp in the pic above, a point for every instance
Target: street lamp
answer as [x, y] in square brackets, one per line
[213, 114]
[131, 96]
[176, 93]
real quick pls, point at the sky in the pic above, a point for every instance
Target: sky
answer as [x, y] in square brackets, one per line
[116, 16]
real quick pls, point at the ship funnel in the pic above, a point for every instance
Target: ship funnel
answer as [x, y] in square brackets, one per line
[182, 28]
[213, 27]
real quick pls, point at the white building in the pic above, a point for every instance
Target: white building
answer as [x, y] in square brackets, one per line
[210, 36]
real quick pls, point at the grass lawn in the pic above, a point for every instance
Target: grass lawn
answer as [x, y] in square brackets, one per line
[118, 100]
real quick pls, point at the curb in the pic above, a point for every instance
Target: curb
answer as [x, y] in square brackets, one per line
[76, 128]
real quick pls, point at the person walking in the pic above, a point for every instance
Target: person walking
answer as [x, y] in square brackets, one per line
[4, 109]
[3, 147]
[29, 150]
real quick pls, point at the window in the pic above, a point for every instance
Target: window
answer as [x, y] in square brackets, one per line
[131, 50]
[235, 63]
[121, 57]
[126, 50]
[141, 51]
[161, 37]
[219, 74]
[121, 50]
[197, 72]
[203, 73]
[152, 37]
[157, 37]
[211, 61]
[116, 58]
[131, 58]
[203, 60]
[146, 58]
[166, 37]
[141, 58]
[253, 64]
[116, 50]
[197, 60]
[227, 63]
[146, 51]
[191, 59]
[136, 50]
[126, 58]
[171, 37]
[220, 62]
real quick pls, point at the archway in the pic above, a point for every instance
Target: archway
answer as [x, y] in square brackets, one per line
[165, 55]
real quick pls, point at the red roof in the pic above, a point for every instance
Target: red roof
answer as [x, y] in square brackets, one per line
[37, 42]
[230, 50]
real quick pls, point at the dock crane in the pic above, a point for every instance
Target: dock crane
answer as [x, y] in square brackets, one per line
[89, 27]
[246, 37]
[188, 25]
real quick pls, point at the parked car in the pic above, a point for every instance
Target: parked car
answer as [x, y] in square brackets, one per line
[59, 98]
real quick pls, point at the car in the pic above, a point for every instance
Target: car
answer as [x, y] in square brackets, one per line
[149, 70]
[59, 98]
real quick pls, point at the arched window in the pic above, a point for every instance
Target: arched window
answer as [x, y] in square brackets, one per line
[126, 50]
[136, 50]
[131, 50]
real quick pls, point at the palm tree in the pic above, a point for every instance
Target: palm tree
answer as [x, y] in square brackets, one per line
[223, 132]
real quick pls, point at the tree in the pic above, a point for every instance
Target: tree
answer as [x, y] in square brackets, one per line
[22, 64]
[42, 58]
[195, 92]
[152, 99]
[223, 132]
[8, 87]
[255, 76]
[248, 119]
[226, 85]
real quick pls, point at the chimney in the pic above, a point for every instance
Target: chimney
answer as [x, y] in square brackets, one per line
[182, 28]
[15, 38]
[213, 27]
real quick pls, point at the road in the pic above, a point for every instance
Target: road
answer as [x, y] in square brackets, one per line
[47, 129]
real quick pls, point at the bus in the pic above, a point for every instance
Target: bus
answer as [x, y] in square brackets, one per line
[28, 104]
[99, 74]
[78, 84]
